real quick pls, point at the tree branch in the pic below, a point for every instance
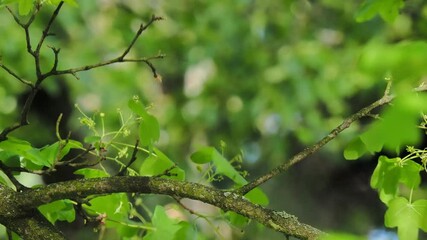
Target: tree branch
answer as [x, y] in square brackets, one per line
[24, 115]
[73, 71]
[15, 75]
[142, 28]
[45, 33]
[227, 201]
[317, 146]
[36, 54]
[30, 224]
[120, 59]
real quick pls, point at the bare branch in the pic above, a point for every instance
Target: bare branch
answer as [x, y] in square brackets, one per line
[55, 61]
[15, 75]
[47, 28]
[15, 17]
[314, 148]
[73, 71]
[36, 53]
[24, 115]
[142, 28]
[120, 59]
[26, 25]
[364, 112]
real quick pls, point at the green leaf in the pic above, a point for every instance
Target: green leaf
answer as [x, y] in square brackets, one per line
[355, 149]
[49, 154]
[71, 2]
[166, 228]
[115, 206]
[10, 160]
[187, 231]
[410, 174]
[403, 115]
[385, 179]
[4, 180]
[91, 173]
[56, 2]
[149, 130]
[92, 139]
[61, 210]
[153, 166]
[136, 106]
[403, 61]
[34, 158]
[407, 217]
[237, 219]
[25, 6]
[69, 144]
[224, 167]
[387, 9]
[176, 173]
[158, 164]
[5, 2]
[257, 196]
[203, 155]
[390, 172]
[15, 146]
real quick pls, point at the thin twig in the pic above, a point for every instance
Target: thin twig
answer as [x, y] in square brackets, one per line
[73, 71]
[48, 26]
[120, 59]
[314, 148]
[55, 61]
[15, 75]
[132, 159]
[15, 17]
[26, 26]
[142, 28]
[81, 155]
[24, 116]
[36, 54]
[45, 33]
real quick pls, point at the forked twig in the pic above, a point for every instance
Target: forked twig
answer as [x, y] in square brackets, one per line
[120, 59]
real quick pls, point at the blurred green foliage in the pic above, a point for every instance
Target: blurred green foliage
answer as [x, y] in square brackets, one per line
[265, 77]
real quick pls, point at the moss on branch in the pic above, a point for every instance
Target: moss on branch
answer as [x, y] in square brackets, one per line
[26, 201]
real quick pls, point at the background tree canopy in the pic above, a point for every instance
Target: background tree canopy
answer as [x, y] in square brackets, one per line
[257, 79]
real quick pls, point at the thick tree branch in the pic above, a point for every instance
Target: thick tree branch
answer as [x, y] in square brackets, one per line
[30, 199]
[28, 224]
[33, 226]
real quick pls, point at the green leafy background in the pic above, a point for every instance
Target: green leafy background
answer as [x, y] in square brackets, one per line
[265, 77]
